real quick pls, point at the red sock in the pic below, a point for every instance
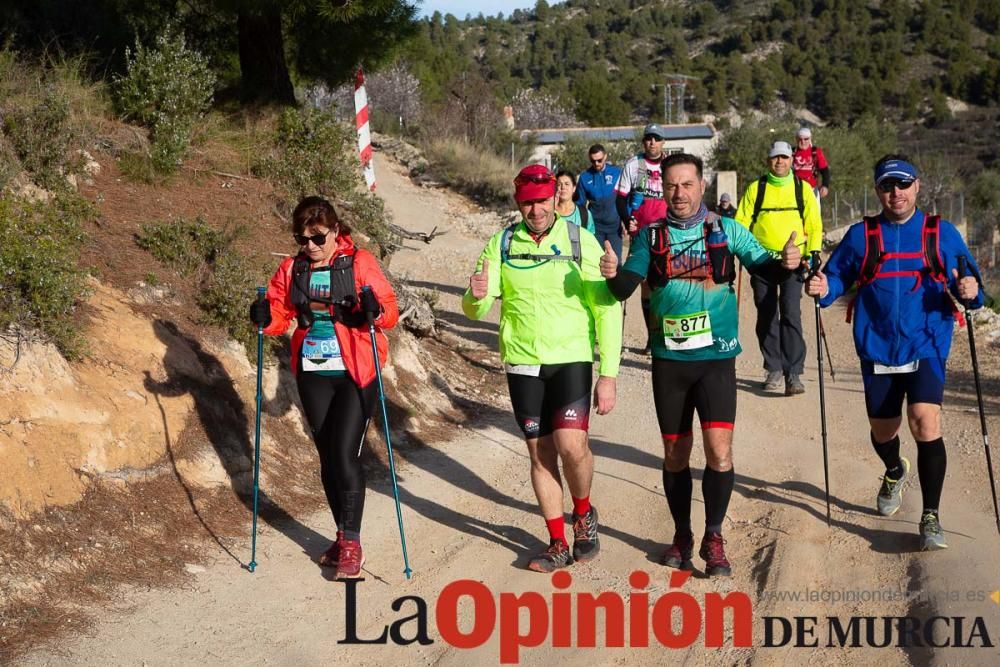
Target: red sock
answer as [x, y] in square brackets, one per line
[581, 506]
[557, 528]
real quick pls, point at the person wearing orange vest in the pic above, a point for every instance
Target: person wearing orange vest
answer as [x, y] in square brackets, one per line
[332, 360]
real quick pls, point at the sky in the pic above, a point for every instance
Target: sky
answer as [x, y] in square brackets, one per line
[462, 7]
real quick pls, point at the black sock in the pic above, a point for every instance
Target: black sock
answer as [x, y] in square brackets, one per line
[677, 488]
[717, 487]
[932, 462]
[889, 453]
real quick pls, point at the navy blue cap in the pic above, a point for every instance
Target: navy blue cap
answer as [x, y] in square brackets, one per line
[899, 169]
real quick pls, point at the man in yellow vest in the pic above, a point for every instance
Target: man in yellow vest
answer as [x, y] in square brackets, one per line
[773, 207]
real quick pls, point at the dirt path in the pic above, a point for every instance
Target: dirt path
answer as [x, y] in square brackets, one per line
[470, 514]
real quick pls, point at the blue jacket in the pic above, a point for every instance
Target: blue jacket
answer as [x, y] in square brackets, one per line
[896, 319]
[596, 190]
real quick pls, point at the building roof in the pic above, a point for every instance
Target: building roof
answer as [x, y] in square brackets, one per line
[621, 133]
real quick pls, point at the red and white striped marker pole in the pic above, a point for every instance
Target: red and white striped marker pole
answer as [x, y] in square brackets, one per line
[364, 131]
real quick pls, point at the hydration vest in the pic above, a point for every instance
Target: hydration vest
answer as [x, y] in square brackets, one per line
[661, 259]
[800, 204]
[875, 258]
[574, 242]
[342, 298]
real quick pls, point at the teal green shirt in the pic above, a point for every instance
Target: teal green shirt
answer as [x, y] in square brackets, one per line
[322, 326]
[689, 303]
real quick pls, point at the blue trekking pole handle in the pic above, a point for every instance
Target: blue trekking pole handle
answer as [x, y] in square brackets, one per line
[261, 295]
[388, 442]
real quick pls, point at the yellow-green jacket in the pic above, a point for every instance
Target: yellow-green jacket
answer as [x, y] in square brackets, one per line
[552, 311]
[779, 215]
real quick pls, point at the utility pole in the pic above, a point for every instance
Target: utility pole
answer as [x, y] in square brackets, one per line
[666, 97]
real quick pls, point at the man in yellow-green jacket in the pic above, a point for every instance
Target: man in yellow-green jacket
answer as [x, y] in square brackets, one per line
[773, 207]
[555, 306]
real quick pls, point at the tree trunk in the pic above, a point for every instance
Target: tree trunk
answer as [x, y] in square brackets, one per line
[263, 68]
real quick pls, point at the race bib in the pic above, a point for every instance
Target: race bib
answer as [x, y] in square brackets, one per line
[879, 369]
[321, 354]
[531, 370]
[687, 332]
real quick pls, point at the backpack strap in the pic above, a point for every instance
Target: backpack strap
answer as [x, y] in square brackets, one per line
[815, 162]
[660, 269]
[800, 202]
[574, 242]
[576, 254]
[759, 202]
[932, 247]
[584, 215]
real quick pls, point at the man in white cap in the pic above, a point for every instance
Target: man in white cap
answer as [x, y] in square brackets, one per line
[809, 163]
[726, 207]
[773, 207]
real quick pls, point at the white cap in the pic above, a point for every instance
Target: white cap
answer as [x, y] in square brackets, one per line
[780, 148]
[804, 133]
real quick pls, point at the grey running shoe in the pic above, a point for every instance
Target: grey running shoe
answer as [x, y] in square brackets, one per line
[890, 494]
[931, 535]
[557, 556]
[773, 381]
[585, 542]
[678, 554]
[793, 386]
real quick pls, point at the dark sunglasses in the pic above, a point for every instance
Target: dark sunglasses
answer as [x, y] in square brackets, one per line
[524, 179]
[592, 161]
[652, 137]
[318, 239]
[887, 186]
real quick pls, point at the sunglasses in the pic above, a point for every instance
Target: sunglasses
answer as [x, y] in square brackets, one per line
[541, 179]
[592, 161]
[318, 239]
[652, 137]
[888, 186]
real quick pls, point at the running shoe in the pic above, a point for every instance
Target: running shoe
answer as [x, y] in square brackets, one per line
[931, 535]
[794, 386]
[332, 555]
[712, 551]
[556, 557]
[678, 554]
[585, 542]
[351, 559]
[890, 494]
[773, 381]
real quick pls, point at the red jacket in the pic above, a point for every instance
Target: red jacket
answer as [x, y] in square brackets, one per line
[355, 342]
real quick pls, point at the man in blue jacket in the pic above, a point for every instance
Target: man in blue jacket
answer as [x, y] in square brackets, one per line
[905, 263]
[596, 190]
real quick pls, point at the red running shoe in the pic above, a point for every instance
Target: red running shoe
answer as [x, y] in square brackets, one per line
[716, 564]
[678, 554]
[331, 556]
[352, 558]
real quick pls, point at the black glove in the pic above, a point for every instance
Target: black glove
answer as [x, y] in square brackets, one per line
[369, 303]
[260, 312]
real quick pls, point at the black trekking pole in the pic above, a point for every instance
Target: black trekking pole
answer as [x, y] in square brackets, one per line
[252, 565]
[388, 442]
[829, 357]
[822, 389]
[962, 267]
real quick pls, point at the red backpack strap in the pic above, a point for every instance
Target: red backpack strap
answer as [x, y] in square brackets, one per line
[874, 250]
[932, 247]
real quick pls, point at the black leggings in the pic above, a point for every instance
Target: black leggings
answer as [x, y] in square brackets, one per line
[338, 413]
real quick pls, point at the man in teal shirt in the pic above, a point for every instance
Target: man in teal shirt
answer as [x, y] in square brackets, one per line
[687, 258]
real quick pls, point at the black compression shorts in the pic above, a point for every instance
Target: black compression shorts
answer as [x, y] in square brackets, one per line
[557, 396]
[681, 387]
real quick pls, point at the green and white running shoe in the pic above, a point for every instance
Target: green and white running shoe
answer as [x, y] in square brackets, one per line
[931, 535]
[890, 494]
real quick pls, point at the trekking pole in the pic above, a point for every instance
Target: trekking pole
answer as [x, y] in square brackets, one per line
[261, 295]
[388, 443]
[962, 267]
[829, 357]
[822, 390]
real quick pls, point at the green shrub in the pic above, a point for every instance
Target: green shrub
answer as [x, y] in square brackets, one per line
[573, 155]
[186, 246]
[480, 174]
[167, 88]
[40, 282]
[41, 135]
[10, 165]
[316, 155]
[226, 296]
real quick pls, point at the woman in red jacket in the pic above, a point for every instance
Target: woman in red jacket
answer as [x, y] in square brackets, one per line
[321, 289]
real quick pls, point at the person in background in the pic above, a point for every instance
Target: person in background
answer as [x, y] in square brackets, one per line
[566, 207]
[810, 165]
[595, 191]
[726, 208]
